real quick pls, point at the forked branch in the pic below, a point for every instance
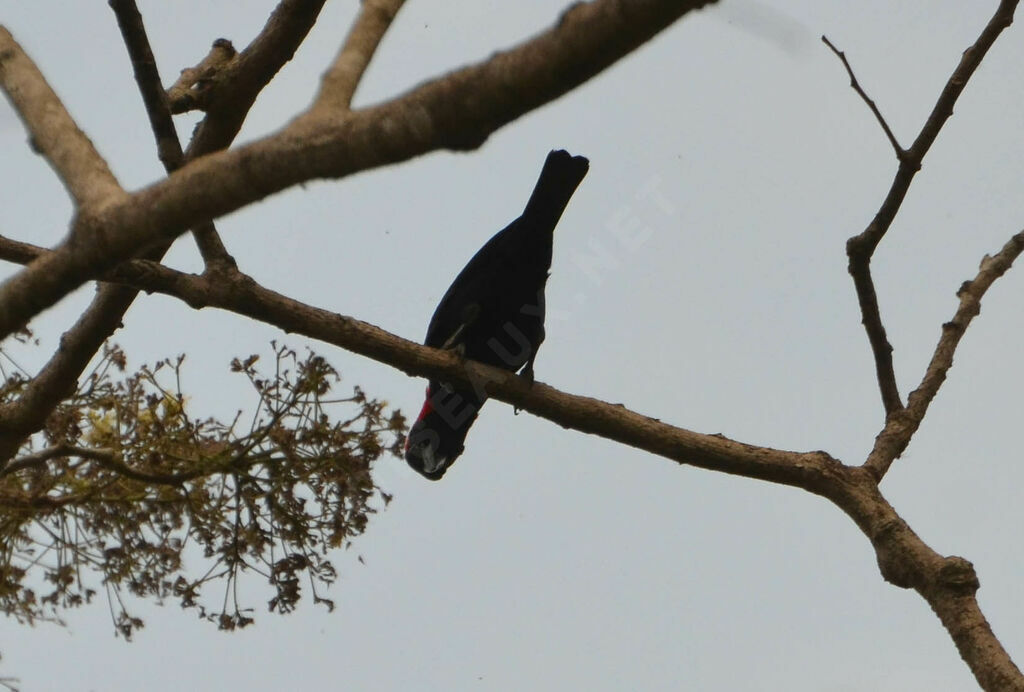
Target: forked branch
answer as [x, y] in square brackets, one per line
[861, 248]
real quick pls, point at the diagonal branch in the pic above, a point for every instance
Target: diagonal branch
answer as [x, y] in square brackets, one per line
[861, 248]
[53, 132]
[342, 79]
[458, 111]
[855, 85]
[899, 429]
[147, 76]
[240, 294]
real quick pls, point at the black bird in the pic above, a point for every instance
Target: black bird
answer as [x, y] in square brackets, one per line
[493, 313]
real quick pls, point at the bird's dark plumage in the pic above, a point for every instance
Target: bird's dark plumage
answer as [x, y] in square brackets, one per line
[493, 313]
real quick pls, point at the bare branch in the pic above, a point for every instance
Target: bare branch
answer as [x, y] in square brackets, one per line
[236, 86]
[948, 584]
[147, 76]
[53, 132]
[899, 429]
[881, 349]
[458, 111]
[867, 99]
[240, 294]
[940, 113]
[860, 248]
[191, 90]
[341, 80]
[19, 252]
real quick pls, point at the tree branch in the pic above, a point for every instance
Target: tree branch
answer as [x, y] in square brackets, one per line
[341, 80]
[147, 76]
[52, 130]
[107, 458]
[192, 88]
[861, 248]
[458, 111]
[899, 429]
[236, 85]
[867, 99]
[238, 293]
[949, 584]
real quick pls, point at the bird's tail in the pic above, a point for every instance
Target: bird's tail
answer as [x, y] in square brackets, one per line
[561, 174]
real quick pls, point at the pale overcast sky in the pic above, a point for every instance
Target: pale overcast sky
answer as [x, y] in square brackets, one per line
[550, 560]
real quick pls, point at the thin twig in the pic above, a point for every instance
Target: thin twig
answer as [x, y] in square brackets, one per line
[34, 460]
[898, 431]
[107, 458]
[900, 152]
[53, 132]
[341, 80]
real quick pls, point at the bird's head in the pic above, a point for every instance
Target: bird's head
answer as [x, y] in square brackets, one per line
[425, 453]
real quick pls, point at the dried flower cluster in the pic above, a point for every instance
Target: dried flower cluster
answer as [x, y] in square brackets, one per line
[125, 491]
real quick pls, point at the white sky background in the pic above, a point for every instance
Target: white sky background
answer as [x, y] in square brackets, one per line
[551, 560]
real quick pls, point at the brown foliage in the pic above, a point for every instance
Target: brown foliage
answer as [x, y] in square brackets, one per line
[125, 490]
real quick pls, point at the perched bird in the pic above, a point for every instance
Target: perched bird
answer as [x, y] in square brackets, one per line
[493, 313]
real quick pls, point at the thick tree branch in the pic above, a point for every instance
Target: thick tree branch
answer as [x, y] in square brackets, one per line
[458, 111]
[340, 81]
[861, 248]
[948, 584]
[899, 429]
[53, 132]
